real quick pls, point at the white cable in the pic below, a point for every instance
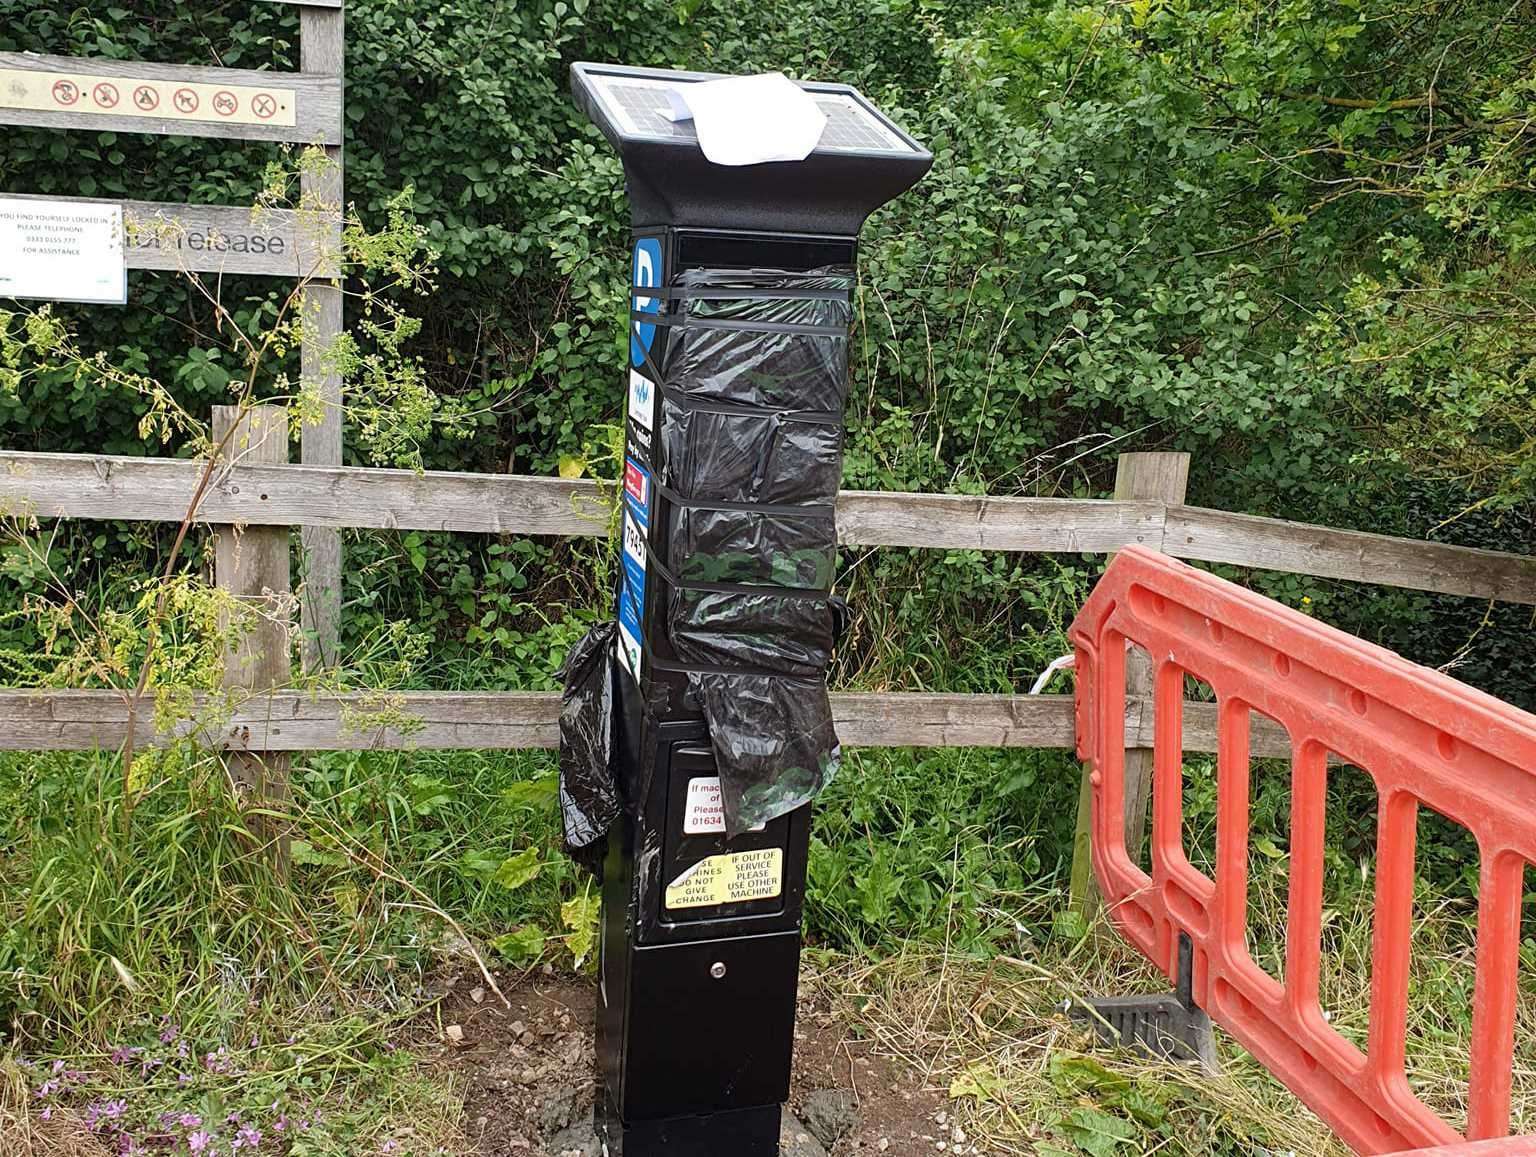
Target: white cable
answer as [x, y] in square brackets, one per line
[1062, 664]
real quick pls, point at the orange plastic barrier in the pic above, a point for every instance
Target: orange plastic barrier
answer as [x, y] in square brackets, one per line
[1423, 737]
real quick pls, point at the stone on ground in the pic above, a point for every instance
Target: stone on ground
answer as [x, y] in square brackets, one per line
[830, 1115]
[795, 1140]
[579, 1140]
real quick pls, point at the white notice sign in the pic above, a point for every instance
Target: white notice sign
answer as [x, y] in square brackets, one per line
[62, 251]
[706, 810]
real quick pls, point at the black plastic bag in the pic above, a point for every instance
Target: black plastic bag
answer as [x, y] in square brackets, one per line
[589, 791]
[754, 383]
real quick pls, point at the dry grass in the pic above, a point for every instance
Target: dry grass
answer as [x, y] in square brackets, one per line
[996, 1029]
[992, 1034]
[25, 1134]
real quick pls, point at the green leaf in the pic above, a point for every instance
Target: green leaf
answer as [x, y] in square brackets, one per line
[533, 793]
[977, 1081]
[519, 869]
[579, 914]
[522, 946]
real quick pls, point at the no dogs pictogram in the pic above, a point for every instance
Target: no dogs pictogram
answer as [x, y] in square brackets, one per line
[186, 100]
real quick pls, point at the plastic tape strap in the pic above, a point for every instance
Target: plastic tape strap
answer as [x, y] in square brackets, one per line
[659, 319]
[716, 293]
[808, 594]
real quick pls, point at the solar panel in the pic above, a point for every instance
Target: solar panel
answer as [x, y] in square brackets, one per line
[639, 107]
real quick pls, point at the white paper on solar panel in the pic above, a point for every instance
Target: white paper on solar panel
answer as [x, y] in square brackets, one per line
[639, 107]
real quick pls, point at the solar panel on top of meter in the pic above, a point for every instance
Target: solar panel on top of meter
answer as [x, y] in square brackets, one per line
[640, 106]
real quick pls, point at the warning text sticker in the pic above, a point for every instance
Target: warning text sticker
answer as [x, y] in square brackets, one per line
[732, 879]
[706, 810]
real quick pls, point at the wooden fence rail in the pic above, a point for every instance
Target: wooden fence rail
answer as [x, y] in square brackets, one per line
[157, 489]
[509, 720]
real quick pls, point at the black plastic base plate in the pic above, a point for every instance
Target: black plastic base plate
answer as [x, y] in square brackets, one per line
[739, 1133]
[1156, 1026]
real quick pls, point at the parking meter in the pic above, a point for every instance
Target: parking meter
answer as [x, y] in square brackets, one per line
[720, 731]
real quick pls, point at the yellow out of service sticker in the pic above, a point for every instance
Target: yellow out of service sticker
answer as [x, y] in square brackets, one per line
[730, 879]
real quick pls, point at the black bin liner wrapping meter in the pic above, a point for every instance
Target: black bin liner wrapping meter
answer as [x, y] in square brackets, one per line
[751, 424]
[696, 727]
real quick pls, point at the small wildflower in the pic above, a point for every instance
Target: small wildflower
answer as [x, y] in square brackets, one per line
[48, 1088]
[189, 1121]
[169, 1033]
[47, 1113]
[198, 1141]
[122, 1054]
[183, 1078]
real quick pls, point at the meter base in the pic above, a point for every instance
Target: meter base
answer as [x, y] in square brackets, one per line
[739, 1133]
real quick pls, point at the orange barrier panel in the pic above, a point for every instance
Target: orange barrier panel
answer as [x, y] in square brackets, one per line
[1424, 739]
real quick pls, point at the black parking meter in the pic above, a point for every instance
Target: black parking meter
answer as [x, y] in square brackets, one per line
[720, 731]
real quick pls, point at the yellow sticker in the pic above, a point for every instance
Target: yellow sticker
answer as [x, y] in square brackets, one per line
[161, 99]
[732, 879]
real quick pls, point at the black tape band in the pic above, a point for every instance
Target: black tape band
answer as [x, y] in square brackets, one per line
[775, 509]
[803, 594]
[687, 293]
[788, 327]
[659, 664]
[683, 400]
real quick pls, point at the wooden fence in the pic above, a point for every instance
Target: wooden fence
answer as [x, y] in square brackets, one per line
[256, 489]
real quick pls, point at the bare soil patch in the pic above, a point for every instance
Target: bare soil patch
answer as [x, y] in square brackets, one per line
[526, 1073]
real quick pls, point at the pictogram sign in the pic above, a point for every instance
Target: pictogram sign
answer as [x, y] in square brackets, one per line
[164, 100]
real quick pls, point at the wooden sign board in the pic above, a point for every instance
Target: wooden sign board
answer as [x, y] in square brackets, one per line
[75, 92]
[172, 238]
[310, 3]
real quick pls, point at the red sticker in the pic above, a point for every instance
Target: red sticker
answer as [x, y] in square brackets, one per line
[634, 481]
[146, 98]
[66, 91]
[185, 100]
[226, 104]
[105, 95]
[264, 105]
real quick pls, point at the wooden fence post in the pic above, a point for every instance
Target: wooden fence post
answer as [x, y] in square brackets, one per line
[252, 563]
[1156, 477]
[322, 49]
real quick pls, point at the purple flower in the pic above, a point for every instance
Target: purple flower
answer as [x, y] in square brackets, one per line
[47, 1114]
[247, 1138]
[183, 1078]
[389, 1146]
[58, 1067]
[281, 1124]
[198, 1141]
[169, 1033]
[48, 1088]
[123, 1054]
[189, 1120]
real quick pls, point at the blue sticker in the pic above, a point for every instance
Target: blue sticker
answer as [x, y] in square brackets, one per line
[636, 527]
[646, 272]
